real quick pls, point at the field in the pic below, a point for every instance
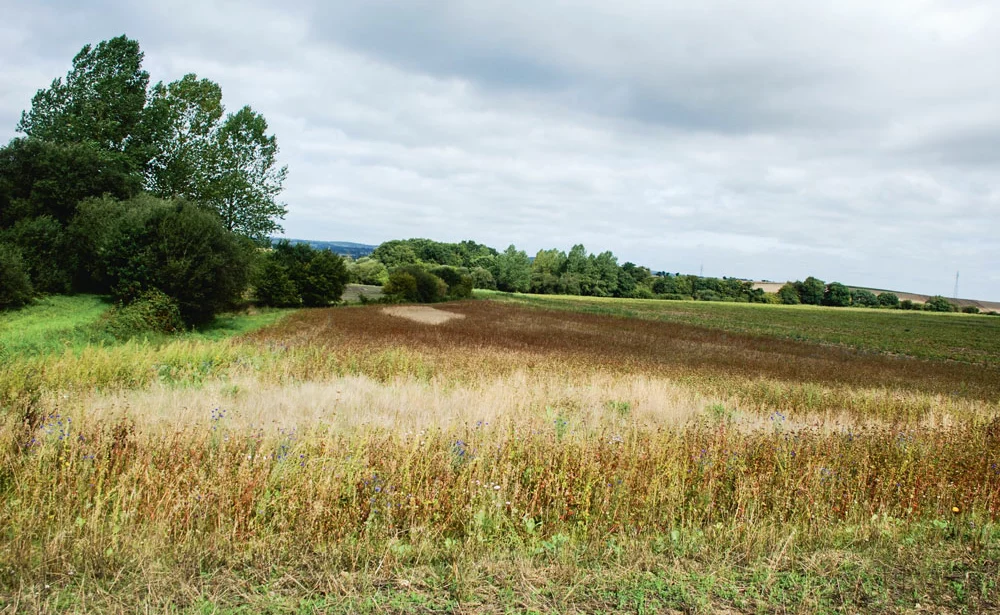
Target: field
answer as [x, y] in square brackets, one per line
[520, 454]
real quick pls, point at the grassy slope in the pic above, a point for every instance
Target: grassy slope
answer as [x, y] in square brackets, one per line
[58, 323]
[960, 337]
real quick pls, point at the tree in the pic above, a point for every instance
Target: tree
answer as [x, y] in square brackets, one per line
[101, 101]
[414, 283]
[317, 276]
[395, 253]
[324, 280]
[837, 295]
[513, 271]
[46, 252]
[811, 291]
[245, 180]
[180, 122]
[889, 300]
[273, 287]
[174, 140]
[41, 178]
[545, 271]
[937, 303]
[864, 298]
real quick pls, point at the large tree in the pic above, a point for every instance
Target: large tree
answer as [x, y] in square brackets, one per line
[101, 100]
[175, 137]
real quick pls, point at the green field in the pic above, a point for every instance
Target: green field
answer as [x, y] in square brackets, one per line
[958, 337]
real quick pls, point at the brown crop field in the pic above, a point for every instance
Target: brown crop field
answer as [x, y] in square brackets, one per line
[508, 458]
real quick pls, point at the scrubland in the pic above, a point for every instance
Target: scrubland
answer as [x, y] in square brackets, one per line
[516, 459]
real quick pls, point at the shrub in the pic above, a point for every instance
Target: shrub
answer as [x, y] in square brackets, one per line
[812, 291]
[707, 295]
[459, 284]
[324, 279]
[674, 297]
[273, 287]
[413, 283]
[906, 304]
[45, 252]
[298, 274]
[173, 246]
[368, 271]
[970, 309]
[889, 300]
[789, 294]
[15, 285]
[153, 311]
[864, 298]
[938, 303]
[482, 278]
[837, 295]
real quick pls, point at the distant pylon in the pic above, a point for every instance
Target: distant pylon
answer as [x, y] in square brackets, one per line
[956, 286]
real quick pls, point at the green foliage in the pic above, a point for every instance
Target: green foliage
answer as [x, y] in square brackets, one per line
[837, 295]
[298, 274]
[367, 270]
[15, 284]
[45, 251]
[415, 284]
[273, 287]
[482, 278]
[176, 247]
[789, 294]
[811, 291]
[459, 283]
[152, 312]
[938, 303]
[906, 304]
[970, 309]
[40, 178]
[889, 300]
[100, 101]
[513, 272]
[864, 298]
[324, 279]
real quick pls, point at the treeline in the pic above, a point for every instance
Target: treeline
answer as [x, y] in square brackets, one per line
[153, 195]
[577, 272]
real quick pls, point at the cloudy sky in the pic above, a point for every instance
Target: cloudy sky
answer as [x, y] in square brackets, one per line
[854, 140]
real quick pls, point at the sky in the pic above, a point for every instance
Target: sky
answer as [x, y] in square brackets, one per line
[854, 141]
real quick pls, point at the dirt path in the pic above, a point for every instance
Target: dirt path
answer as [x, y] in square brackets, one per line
[422, 314]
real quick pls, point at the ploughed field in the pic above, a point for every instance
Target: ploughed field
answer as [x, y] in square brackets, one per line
[489, 456]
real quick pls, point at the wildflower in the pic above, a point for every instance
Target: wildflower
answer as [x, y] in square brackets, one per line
[955, 509]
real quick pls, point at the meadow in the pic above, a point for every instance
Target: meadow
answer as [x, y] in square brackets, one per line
[527, 455]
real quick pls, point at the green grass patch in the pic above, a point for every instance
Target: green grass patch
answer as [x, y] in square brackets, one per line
[958, 337]
[58, 323]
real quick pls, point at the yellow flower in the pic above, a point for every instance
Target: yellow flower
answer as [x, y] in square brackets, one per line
[954, 509]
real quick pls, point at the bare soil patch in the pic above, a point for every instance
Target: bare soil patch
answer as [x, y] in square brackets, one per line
[422, 314]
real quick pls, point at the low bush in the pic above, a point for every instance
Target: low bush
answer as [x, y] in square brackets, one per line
[970, 309]
[414, 284]
[152, 312]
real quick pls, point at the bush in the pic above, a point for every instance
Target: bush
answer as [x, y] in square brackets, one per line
[837, 295]
[789, 294]
[273, 287]
[153, 311]
[674, 297]
[889, 300]
[172, 246]
[324, 279]
[298, 274]
[906, 304]
[412, 283]
[864, 298]
[15, 285]
[938, 303]
[45, 252]
[459, 284]
[970, 309]
[368, 271]
[482, 278]
[707, 295]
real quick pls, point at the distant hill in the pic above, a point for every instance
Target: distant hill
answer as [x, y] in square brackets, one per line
[345, 248]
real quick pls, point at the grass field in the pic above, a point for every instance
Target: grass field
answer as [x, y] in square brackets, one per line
[530, 455]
